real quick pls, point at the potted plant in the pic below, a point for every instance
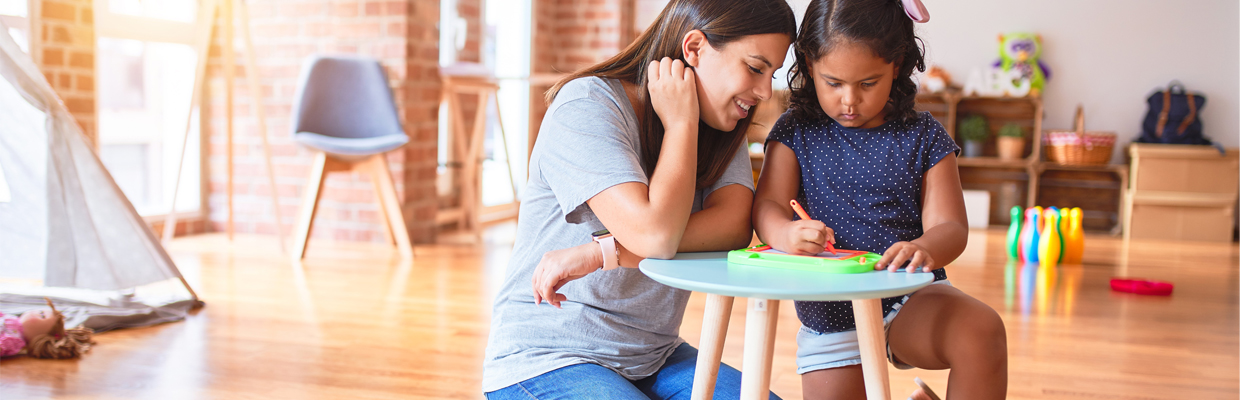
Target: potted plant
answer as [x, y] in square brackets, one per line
[973, 133]
[1011, 141]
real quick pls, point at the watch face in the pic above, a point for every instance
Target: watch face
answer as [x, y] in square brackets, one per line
[603, 232]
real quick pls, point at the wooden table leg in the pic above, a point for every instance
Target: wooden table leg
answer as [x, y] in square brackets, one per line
[760, 322]
[710, 350]
[869, 315]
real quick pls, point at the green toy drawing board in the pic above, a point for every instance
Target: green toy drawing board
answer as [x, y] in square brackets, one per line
[840, 262]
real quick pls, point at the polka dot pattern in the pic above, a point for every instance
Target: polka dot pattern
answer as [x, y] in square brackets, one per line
[866, 185]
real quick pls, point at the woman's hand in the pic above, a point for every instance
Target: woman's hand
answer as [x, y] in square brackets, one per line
[673, 92]
[916, 255]
[559, 267]
[807, 237]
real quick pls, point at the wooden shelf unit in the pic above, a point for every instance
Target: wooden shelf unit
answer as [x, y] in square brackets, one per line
[1026, 112]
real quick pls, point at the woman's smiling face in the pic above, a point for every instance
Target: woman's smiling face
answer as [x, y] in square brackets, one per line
[734, 78]
[853, 85]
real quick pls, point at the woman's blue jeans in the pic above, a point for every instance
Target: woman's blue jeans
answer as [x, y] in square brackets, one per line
[590, 381]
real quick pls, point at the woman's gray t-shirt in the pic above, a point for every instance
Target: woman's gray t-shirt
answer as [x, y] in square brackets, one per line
[619, 319]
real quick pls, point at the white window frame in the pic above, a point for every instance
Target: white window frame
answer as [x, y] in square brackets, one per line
[147, 29]
[24, 23]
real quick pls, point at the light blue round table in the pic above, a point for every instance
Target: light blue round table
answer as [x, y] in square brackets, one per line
[711, 273]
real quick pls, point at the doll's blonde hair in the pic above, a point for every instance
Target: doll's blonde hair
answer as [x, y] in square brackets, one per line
[60, 342]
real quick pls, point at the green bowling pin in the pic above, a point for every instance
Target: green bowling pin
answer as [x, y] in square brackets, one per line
[1013, 233]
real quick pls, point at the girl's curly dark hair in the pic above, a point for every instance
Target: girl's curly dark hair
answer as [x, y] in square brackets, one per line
[880, 25]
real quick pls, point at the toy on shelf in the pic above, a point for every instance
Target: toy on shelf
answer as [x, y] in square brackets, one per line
[1021, 52]
[936, 80]
[1047, 236]
[1019, 72]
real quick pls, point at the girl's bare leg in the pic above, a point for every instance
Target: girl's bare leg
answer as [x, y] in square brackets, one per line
[939, 327]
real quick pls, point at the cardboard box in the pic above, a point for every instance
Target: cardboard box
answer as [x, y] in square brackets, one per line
[1181, 222]
[1182, 193]
[1185, 169]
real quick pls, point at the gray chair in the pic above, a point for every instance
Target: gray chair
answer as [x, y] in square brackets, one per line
[344, 110]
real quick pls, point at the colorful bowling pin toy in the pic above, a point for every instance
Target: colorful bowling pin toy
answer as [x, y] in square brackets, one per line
[1013, 234]
[1059, 225]
[1029, 243]
[1049, 248]
[1074, 238]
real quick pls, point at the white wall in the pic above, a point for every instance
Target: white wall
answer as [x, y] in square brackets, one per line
[1108, 55]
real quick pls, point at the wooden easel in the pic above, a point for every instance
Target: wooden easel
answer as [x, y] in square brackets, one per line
[207, 22]
[459, 79]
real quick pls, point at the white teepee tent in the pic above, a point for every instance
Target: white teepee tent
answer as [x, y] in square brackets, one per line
[62, 217]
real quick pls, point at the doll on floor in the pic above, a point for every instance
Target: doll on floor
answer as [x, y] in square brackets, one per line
[42, 334]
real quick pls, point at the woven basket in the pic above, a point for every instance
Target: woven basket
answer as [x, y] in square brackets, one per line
[1079, 147]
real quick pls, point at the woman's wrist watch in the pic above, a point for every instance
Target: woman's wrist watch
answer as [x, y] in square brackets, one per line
[607, 244]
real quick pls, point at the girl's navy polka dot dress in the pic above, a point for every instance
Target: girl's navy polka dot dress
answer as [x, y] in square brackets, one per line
[866, 185]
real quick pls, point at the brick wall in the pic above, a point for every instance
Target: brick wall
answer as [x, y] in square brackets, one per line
[63, 45]
[571, 34]
[402, 34]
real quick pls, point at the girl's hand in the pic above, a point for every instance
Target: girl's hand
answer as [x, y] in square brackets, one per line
[807, 237]
[559, 267]
[673, 92]
[916, 255]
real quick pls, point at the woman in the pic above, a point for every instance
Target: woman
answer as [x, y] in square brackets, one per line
[648, 145]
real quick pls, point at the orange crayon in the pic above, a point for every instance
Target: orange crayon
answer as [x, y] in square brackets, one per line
[801, 212]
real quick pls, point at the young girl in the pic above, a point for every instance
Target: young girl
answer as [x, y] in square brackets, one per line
[874, 175]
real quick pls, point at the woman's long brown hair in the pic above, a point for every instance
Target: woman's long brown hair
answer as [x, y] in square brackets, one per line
[721, 21]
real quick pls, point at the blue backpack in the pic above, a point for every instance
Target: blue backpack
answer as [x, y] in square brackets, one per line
[1172, 117]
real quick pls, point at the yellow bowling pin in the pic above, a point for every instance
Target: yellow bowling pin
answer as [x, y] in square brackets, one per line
[1074, 238]
[1048, 246]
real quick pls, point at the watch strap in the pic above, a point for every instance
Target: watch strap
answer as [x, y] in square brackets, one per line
[611, 257]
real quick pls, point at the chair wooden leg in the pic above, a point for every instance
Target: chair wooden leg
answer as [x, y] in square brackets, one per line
[309, 205]
[390, 204]
[710, 349]
[368, 167]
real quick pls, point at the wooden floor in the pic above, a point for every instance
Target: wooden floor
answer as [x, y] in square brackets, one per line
[353, 322]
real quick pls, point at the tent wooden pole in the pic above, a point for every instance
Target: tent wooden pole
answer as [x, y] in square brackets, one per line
[210, 8]
[204, 42]
[192, 293]
[503, 136]
[229, 61]
[251, 74]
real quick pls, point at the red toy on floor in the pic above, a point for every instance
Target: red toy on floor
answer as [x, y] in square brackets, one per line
[1142, 286]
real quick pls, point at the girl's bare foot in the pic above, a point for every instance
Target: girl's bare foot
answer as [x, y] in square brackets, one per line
[919, 395]
[923, 392]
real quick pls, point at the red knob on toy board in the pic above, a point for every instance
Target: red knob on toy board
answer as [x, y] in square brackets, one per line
[1142, 286]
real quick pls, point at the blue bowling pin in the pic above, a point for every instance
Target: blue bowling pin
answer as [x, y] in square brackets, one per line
[1033, 234]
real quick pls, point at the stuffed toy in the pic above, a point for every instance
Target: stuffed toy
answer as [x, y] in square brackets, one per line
[1022, 53]
[936, 80]
[42, 334]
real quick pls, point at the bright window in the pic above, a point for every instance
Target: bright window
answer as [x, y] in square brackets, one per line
[13, 14]
[145, 66]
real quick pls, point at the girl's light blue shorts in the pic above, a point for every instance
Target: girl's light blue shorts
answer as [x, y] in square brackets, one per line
[817, 350]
